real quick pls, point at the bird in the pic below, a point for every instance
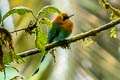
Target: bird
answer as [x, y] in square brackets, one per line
[61, 29]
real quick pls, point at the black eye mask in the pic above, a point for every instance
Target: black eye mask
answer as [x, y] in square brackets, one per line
[67, 17]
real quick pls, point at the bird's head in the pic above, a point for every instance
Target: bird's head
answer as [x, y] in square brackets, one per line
[66, 16]
[59, 19]
[66, 23]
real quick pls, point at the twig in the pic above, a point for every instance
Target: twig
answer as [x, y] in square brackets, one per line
[29, 29]
[18, 30]
[72, 39]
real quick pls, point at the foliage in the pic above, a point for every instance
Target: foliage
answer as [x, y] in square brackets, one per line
[41, 38]
[19, 10]
[49, 9]
[115, 14]
[6, 41]
[46, 21]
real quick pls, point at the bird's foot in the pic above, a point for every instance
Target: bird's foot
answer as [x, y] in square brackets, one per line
[53, 54]
[67, 46]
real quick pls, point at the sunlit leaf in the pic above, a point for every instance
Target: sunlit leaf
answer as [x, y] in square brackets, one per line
[45, 21]
[113, 33]
[112, 30]
[41, 39]
[49, 9]
[7, 57]
[19, 10]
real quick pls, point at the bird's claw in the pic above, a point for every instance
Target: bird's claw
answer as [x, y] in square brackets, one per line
[66, 46]
[53, 55]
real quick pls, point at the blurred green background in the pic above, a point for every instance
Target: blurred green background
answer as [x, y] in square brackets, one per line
[98, 61]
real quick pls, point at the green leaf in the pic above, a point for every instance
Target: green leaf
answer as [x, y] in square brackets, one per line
[112, 29]
[7, 57]
[19, 59]
[45, 21]
[113, 33]
[41, 40]
[21, 10]
[49, 9]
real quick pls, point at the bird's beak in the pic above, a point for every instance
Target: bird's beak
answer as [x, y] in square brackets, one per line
[67, 17]
[71, 15]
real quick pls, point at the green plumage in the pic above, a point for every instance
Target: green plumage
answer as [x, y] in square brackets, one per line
[57, 33]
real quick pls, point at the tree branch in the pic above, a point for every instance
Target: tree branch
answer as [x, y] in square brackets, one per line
[72, 39]
[19, 30]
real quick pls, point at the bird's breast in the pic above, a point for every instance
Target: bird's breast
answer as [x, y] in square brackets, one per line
[68, 25]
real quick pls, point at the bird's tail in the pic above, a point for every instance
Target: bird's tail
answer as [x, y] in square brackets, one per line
[43, 57]
[35, 71]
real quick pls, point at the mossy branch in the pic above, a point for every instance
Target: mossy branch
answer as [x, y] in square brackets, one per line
[72, 39]
[114, 15]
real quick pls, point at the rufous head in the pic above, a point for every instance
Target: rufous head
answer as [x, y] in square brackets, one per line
[59, 19]
[66, 23]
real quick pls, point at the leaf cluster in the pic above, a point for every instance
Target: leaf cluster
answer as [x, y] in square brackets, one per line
[40, 37]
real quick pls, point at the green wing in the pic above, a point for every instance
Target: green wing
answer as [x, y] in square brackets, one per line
[53, 33]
